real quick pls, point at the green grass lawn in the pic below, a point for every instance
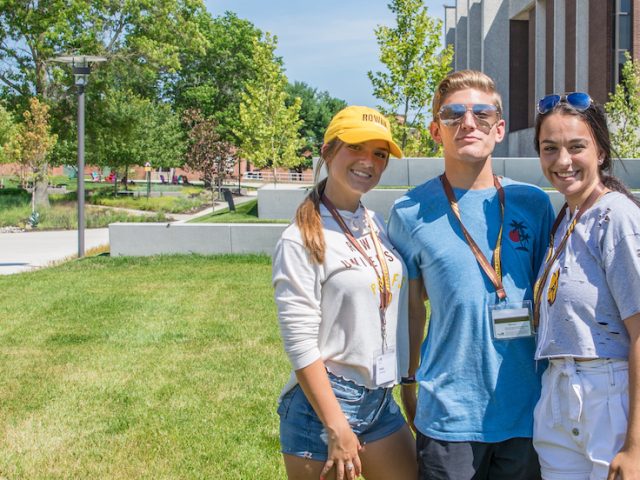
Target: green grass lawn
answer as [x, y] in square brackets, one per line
[245, 213]
[15, 209]
[155, 368]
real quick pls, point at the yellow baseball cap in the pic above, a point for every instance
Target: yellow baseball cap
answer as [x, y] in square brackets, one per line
[356, 124]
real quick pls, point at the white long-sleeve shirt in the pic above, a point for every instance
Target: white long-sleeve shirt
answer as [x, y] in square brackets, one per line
[331, 311]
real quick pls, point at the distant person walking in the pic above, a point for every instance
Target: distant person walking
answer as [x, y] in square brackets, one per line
[587, 422]
[341, 292]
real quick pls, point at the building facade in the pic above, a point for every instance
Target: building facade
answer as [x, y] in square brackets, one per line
[535, 47]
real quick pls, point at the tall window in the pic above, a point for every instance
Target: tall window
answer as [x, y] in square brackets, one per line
[622, 38]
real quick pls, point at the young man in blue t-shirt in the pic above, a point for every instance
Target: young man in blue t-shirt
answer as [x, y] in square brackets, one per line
[473, 243]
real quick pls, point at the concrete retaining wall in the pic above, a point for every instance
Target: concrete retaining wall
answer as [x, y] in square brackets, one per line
[144, 239]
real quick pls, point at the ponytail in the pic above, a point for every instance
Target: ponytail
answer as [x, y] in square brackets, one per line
[308, 216]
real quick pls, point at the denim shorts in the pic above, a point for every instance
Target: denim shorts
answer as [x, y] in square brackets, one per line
[372, 413]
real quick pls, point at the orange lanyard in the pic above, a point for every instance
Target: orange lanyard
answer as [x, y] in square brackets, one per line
[552, 255]
[492, 270]
[384, 280]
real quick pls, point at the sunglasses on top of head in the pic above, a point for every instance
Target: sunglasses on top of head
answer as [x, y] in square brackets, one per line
[484, 115]
[578, 100]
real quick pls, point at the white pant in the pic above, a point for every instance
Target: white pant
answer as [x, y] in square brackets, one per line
[580, 421]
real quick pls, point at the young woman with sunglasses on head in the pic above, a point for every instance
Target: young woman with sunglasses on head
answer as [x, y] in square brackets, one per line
[587, 422]
[341, 293]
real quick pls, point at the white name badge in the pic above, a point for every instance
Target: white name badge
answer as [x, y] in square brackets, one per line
[385, 367]
[511, 320]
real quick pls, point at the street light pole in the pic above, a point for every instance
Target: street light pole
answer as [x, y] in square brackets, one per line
[81, 65]
[81, 196]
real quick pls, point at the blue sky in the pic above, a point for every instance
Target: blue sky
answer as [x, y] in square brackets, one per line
[328, 44]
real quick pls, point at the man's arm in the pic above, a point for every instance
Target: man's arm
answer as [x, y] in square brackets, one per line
[417, 320]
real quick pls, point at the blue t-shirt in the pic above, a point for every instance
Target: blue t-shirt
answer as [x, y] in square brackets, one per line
[471, 387]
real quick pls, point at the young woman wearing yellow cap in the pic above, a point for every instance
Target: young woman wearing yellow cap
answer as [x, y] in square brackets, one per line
[341, 292]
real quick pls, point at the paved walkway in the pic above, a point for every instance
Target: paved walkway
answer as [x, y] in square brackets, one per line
[24, 251]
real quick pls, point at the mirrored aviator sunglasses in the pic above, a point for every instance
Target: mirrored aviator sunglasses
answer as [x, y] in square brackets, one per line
[452, 113]
[578, 100]
[485, 115]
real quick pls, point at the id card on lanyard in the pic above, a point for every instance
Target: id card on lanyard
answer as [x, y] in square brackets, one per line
[509, 320]
[384, 360]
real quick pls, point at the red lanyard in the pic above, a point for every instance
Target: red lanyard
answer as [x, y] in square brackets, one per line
[493, 271]
[552, 255]
[383, 280]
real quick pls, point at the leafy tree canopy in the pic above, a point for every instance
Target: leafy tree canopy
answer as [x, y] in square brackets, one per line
[623, 110]
[207, 153]
[144, 32]
[142, 40]
[415, 63]
[213, 82]
[7, 130]
[132, 130]
[316, 111]
[30, 146]
[268, 127]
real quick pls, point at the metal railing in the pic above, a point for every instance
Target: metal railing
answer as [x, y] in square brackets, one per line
[281, 177]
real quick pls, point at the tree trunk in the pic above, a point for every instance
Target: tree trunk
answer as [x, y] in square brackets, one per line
[40, 186]
[275, 178]
[40, 194]
[405, 125]
[41, 77]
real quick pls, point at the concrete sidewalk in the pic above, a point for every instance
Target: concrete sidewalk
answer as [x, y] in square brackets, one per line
[21, 252]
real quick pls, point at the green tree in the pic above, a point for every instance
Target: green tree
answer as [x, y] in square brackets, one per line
[30, 146]
[207, 153]
[415, 63]
[623, 110]
[316, 111]
[214, 81]
[132, 130]
[268, 129]
[141, 38]
[145, 32]
[7, 130]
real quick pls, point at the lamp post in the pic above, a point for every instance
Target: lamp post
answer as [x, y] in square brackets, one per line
[81, 65]
[147, 170]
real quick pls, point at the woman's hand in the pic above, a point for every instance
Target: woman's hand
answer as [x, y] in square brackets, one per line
[343, 443]
[342, 453]
[625, 465]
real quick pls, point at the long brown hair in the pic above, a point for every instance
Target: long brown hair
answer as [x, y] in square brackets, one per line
[308, 216]
[596, 120]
